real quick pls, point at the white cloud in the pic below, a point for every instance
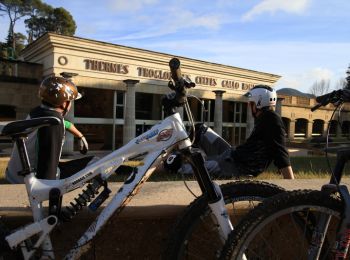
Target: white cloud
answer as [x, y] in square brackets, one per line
[299, 64]
[272, 6]
[180, 20]
[304, 80]
[209, 22]
[130, 5]
[321, 73]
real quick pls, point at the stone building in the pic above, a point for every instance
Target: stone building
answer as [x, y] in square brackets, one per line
[302, 123]
[123, 87]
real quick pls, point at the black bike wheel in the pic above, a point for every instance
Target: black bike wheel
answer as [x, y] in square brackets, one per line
[195, 235]
[282, 227]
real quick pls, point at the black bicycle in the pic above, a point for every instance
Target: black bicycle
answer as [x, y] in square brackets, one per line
[301, 224]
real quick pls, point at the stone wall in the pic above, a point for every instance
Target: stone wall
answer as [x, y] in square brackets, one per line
[19, 82]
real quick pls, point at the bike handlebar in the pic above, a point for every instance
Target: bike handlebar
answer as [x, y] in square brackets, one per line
[334, 97]
[176, 75]
[179, 85]
[175, 70]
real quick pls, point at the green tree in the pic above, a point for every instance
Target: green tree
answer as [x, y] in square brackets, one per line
[36, 19]
[48, 19]
[21, 40]
[41, 18]
[3, 52]
[347, 85]
[63, 22]
[15, 10]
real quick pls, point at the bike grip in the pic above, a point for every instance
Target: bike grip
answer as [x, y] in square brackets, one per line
[316, 107]
[325, 97]
[175, 70]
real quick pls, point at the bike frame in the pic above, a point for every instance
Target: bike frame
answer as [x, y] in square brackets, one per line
[150, 149]
[342, 242]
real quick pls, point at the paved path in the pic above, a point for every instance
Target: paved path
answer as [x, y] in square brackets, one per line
[139, 232]
[164, 197]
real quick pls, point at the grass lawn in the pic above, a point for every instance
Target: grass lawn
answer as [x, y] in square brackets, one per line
[304, 167]
[3, 164]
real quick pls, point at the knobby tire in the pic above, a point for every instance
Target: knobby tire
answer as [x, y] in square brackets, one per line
[195, 234]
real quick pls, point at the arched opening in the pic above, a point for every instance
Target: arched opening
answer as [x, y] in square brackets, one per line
[333, 128]
[300, 128]
[345, 129]
[317, 127]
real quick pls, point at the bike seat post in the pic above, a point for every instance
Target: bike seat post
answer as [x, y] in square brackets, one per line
[23, 155]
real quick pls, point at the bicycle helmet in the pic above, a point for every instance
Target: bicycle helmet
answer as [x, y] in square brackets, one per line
[262, 96]
[56, 90]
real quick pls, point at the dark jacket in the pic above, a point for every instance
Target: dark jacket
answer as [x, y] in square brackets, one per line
[266, 143]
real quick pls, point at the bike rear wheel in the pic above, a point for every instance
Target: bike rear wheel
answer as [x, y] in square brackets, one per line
[283, 227]
[196, 234]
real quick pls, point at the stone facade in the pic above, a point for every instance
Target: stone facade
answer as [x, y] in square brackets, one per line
[18, 88]
[302, 123]
[122, 89]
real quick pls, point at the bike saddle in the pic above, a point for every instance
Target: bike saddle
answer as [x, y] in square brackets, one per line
[24, 127]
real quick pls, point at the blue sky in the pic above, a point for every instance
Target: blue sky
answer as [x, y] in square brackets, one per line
[301, 40]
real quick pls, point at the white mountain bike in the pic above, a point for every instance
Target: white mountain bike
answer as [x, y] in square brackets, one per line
[201, 230]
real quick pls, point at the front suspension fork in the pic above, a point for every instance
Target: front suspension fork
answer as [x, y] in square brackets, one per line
[211, 190]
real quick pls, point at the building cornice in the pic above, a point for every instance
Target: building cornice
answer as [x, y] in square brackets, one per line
[51, 40]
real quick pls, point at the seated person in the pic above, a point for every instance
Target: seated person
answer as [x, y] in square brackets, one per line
[266, 143]
[44, 146]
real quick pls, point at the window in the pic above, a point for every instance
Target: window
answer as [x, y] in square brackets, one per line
[228, 111]
[7, 113]
[96, 103]
[99, 136]
[240, 112]
[148, 106]
[120, 105]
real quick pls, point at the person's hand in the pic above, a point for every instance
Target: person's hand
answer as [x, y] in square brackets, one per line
[84, 147]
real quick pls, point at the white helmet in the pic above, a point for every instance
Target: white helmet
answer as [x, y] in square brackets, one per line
[262, 96]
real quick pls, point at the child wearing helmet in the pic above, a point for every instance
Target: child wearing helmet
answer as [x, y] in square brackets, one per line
[44, 146]
[265, 144]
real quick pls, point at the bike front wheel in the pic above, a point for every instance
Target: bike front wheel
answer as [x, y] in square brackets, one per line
[5, 252]
[196, 233]
[287, 227]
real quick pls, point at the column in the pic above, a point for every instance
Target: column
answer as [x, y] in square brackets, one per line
[279, 106]
[309, 129]
[218, 111]
[291, 130]
[129, 128]
[325, 128]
